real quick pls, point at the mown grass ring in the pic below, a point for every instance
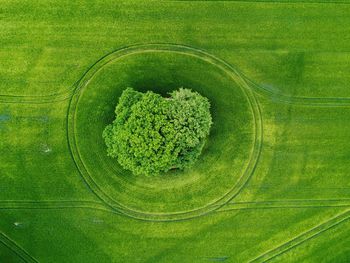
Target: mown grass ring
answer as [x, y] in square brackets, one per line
[230, 155]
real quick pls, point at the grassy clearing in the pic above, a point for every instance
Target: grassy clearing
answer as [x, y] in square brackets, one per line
[218, 169]
[297, 53]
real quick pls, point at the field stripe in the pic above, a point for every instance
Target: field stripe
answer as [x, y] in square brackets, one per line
[306, 101]
[283, 204]
[36, 99]
[268, 1]
[276, 96]
[303, 237]
[65, 204]
[238, 206]
[12, 245]
[286, 204]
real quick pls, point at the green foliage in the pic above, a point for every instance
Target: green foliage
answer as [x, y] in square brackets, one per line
[153, 134]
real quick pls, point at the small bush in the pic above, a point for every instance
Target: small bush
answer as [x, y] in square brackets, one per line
[152, 134]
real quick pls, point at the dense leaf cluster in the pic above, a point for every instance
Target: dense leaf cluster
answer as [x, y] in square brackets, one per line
[152, 134]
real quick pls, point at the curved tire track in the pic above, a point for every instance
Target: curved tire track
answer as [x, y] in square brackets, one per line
[185, 50]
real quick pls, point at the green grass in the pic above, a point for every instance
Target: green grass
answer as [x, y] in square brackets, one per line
[63, 200]
[219, 168]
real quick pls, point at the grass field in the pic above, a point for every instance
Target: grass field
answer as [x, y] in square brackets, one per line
[273, 181]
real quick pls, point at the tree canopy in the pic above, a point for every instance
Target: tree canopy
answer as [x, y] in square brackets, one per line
[152, 134]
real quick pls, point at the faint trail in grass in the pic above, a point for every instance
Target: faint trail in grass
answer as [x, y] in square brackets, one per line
[285, 204]
[307, 101]
[13, 246]
[36, 99]
[303, 237]
[217, 259]
[268, 1]
[62, 204]
[100, 206]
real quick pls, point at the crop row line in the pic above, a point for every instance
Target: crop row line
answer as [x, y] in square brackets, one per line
[9, 99]
[306, 101]
[292, 243]
[32, 204]
[14, 247]
[60, 204]
[268, 1]
[286, 204]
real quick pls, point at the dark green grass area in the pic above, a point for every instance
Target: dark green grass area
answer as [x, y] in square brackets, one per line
[7, 255]
[219, 167]
[293, 207]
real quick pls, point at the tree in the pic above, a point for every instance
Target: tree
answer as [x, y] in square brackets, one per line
[152, 134]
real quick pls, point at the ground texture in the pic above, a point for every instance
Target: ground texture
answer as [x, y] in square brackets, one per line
[273, 181]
